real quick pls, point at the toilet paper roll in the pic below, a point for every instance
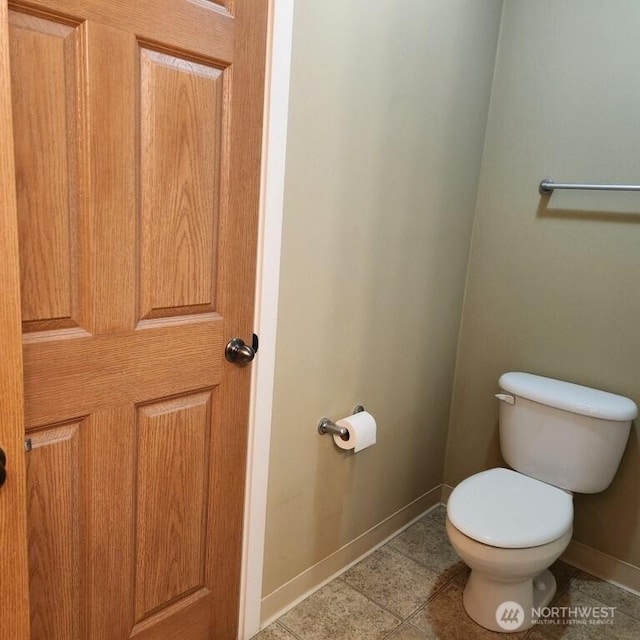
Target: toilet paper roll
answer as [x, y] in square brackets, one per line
[361, 428]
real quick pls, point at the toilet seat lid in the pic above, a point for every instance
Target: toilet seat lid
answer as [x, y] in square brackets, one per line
[503, 508]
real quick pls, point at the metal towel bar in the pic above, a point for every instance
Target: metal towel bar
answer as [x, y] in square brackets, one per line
[548, 186]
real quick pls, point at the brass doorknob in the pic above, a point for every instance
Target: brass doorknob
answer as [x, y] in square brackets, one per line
[238, 352]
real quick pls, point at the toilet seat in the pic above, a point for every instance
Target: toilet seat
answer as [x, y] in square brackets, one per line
[503, 508]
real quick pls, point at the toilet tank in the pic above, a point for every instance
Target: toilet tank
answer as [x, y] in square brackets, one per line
[561, 433]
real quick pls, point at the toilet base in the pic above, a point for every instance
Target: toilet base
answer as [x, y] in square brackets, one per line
[494, 604]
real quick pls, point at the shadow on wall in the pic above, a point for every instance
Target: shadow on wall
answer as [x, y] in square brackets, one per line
[595, 207]
[609, 207]
[589, 508]
[494, 453]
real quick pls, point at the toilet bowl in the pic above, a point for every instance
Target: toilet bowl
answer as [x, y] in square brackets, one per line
[510, 525]
[508, 528]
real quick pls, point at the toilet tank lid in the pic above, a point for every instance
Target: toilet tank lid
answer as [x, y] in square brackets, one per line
[569, 397]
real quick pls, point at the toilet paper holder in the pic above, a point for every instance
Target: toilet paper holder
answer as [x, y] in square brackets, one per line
[326, 425]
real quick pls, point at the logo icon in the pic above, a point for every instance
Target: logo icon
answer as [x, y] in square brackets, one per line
[509, 616]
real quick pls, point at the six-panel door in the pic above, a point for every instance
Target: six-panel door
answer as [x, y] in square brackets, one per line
[137, 131]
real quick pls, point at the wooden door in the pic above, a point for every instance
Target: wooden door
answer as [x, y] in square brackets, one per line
[137, 133]
[14, 610]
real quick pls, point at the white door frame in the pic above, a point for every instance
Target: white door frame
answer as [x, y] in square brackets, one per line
[266, 309]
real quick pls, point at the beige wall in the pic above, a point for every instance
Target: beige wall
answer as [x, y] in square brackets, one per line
[552, 288]
[387, 116]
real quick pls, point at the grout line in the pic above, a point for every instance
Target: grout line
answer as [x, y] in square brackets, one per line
[561, 592]
[390, 634]
[375, 602]
[431, 598]
[447, 582]
[393, 631]
[594, 597]
[418, 629]
[284, 626]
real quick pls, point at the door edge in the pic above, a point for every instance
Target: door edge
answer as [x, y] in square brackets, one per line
[279, 47]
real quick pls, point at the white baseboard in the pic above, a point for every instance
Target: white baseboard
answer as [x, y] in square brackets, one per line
[606, 567]
[297, 589]
[597, 563]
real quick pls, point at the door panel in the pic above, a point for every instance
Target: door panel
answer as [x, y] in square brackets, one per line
[43, 63]
[54, 499]
[138, 157]
[181, 128]
[196, 26]
[172, 498]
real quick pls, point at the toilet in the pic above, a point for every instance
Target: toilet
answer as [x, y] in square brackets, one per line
[510, 525]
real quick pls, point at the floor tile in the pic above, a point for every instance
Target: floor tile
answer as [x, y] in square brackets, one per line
[563, 573]
[439, 515]
[394, 581]
[570, 625]
[607, 593]
[444, 618]
[338, 612]
[536, 634]
[274, 632]
[427, 542]
[461, 577]
[408, 632]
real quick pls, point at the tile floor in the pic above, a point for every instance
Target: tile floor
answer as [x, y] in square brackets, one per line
[411, 589]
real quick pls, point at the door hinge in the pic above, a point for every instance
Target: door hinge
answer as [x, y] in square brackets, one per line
[27, 445]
